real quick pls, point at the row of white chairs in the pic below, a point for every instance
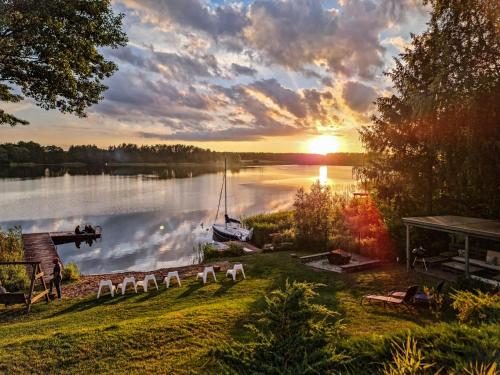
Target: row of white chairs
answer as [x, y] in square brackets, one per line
[173, 275]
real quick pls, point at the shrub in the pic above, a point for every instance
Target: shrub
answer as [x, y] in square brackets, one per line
[407, 359]
[265, 224]
[450, 347]
[13, 278]
[211, 252]
[476, 307]
[71, 272]
[289, 337]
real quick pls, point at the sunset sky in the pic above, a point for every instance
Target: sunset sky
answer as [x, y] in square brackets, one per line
[264, 75]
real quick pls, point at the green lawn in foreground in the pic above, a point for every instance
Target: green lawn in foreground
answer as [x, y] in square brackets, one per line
[171, 331]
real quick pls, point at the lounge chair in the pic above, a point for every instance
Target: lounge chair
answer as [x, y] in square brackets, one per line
[406, 300]
[420, 296]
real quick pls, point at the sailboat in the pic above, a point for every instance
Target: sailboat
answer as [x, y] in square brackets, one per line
[232, 229]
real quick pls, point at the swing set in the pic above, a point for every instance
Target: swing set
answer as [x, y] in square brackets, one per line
[31, 297]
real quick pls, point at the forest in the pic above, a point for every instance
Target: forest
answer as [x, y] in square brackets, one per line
[31, 152]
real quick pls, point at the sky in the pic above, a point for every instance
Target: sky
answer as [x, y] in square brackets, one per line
[261, 75]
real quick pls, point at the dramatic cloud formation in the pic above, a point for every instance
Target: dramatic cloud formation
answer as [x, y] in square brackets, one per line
[226, 70]
[358, 96]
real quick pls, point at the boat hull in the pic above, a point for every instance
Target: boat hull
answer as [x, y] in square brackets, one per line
[224, 233]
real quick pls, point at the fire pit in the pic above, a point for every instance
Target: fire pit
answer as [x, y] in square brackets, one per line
[338, 257]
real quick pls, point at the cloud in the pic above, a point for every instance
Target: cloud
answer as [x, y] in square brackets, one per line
[170, 65]
[243, 70]
[358, 96]
[216, 21]
[293, 33]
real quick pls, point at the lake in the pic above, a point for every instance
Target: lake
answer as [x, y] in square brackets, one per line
[151, 217]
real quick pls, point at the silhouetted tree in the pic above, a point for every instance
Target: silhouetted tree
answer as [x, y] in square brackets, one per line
[50, 51]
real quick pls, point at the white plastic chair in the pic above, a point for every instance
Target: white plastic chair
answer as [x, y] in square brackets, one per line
[171, 275]
[234, 271]
[145, 283]
[126, 281]
[205, 273]
[106, 284]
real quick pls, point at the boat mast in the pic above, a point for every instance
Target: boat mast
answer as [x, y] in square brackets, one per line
[225, 190]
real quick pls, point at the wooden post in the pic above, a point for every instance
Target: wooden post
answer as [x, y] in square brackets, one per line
[407, 247]
[467, 257]
[32, 286]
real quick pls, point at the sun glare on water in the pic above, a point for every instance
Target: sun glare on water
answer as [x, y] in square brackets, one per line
[324, 144]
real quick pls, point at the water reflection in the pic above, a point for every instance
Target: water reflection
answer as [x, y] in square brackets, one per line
[323, 175]
[148, 221]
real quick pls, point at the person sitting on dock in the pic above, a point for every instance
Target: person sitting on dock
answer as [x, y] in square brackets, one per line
[89, 229]
[77, 230]
[56, 280]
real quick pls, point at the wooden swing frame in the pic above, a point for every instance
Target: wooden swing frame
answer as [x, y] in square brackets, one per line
[31, 298]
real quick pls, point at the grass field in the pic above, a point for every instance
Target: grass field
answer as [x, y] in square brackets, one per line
[172, 331]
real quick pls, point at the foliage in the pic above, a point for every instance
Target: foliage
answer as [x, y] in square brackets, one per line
[364, 222]
[480, 369]
[449, 347]
[476, 307]
[434, 145]
[290, 336]
[31, 152]
[317, 213]
[13, 278]
[211, 252]
[71, 272]
[407, 359]
[265, 224]
[51, 52]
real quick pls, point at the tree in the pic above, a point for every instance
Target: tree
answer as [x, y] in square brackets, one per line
[49, 51]
[434, 146]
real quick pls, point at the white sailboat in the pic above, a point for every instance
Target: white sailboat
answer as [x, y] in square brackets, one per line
[232, 229]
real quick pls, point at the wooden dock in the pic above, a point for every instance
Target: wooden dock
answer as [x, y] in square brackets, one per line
[60, 238]
[39, 247]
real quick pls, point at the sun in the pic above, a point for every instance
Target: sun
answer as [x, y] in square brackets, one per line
[324, 144]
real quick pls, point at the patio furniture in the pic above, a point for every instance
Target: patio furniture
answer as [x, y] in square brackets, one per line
[126, 281]
[234, 271]
[421, 296]
[405, 301]
[171, 275]
[106, 284]
[145, 283]
[203, 275]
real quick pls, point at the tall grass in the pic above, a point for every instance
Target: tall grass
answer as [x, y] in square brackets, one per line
[265, 224]
[13, 278]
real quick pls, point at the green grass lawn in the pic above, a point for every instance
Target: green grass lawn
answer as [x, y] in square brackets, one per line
[172, 331]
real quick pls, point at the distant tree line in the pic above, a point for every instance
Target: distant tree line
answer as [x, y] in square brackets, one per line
[31, 152]
[338, 158]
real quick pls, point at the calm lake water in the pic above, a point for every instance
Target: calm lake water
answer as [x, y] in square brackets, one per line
[151, 217]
